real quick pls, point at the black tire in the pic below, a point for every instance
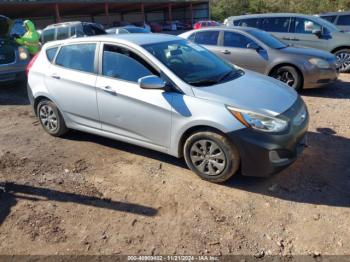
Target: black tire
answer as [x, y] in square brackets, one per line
[228, 150]
[343, 58]
[48, 108]
[290, 76]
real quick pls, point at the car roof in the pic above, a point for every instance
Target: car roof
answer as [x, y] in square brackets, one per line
[335, 13]
[138, 39]
[269, 15]
[228, 28]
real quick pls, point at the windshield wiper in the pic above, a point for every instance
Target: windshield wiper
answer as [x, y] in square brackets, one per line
[204, 82]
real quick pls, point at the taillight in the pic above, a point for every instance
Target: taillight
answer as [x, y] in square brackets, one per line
[31, 63]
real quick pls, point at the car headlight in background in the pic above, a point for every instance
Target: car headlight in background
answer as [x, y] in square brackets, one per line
[320, 63]
[258, 121]
[23, 55]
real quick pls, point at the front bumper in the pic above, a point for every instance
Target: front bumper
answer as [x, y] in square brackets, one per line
[263, 154]
[315, 77]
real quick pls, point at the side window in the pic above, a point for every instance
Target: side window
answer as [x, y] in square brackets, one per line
[232, 39]
[51, 52]
[236, 22]
[343, 20]
[72, 31]
[62, 33]
[48, 35]
[329, 18]
[78, 57]
[207, 37]
[250, 22]
[123, 64]
[192, 37]
[305, 26]
[276, 24]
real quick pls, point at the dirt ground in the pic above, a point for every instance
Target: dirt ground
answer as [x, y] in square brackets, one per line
[84, 194]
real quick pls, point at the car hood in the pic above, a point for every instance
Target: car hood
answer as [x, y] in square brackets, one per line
[308, 52]
[5, 26]
[252, 91]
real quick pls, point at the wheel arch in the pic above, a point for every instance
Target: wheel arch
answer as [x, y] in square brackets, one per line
[275, 67]
[190, 131]
[339, 48]
[37, 100]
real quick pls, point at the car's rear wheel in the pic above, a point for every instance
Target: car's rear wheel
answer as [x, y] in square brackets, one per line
[290, 76]
[211, 155]
[51, 118]
[343, 60]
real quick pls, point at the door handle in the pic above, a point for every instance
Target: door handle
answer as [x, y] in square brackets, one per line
[55, 76]
[294, 39]
[226, 52]
[286, 38]
[110, 90]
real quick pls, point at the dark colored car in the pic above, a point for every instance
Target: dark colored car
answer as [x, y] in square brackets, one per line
[13, 58]
[259, 51]
[70, 30]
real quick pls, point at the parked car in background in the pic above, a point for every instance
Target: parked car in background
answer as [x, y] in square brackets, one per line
[302, 30]
[202, 24]
[126, 30]
[70, 30]
[340, 19]
[156, 27]
[259, 51]
[13, 58]
[168, 94]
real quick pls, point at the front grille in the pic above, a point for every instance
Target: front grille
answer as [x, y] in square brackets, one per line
[7, 54]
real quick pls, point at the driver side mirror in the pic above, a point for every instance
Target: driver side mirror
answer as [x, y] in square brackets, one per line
[151, 82]
[254, 46]
[317, 32]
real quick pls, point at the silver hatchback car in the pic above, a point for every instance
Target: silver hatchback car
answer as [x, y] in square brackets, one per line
[170, 95]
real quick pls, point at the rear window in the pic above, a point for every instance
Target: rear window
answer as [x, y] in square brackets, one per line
[62, 33]
[343, 20]
[51, 52]
[48, 35]
[207, 37]
[78, 57]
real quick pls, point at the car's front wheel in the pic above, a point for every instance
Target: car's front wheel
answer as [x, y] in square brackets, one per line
[290, 76]
[343, 60]
[211, 155]
[51, 118]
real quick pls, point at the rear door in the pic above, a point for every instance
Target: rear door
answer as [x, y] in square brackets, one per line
[343, 22]
[233, 47]
[279, 27]
[71, 82]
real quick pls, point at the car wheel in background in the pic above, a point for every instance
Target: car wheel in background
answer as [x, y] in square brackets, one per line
[211, 156]
[343, 60]
[51, 118]
[290, 76]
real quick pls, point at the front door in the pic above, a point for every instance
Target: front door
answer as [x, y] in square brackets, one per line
[137, 115]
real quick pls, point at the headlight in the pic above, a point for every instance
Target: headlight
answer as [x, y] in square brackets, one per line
[23, 55]
[320, 63]
[258, 121]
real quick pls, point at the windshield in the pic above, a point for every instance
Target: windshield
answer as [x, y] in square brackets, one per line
[192, 63]
[267, 39]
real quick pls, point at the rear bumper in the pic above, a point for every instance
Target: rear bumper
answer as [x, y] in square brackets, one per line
[263, 154]
[316, 77]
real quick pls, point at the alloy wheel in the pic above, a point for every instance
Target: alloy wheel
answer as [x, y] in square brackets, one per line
[343, 61]
[286, 77]
[48, 118]
[207, 157]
